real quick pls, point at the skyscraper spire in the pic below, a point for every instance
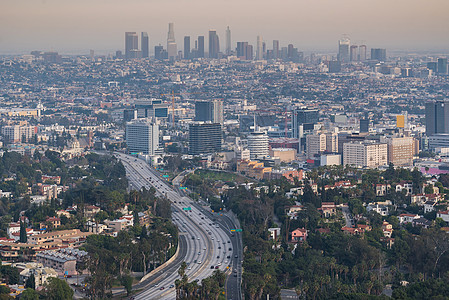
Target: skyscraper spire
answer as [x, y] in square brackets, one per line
[172, 49]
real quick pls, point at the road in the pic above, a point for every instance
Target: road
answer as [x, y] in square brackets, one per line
[204, 244]
[226, 221]
[347, 214]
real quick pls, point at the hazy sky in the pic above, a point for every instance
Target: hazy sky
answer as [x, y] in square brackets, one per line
[75, 26]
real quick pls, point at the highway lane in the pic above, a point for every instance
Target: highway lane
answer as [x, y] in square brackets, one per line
[234, 280]
[204, 242]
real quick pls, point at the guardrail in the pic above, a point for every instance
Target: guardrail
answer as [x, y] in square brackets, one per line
[161, 266]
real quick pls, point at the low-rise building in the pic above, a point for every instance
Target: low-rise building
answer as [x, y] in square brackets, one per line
[299, 235]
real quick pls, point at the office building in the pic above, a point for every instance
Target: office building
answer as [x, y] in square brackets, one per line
[378, 54]
[439, 140]
[159, 52]
[259, 50]
[149, 108]
[241, 49]
[145, 45]
[303, 116]
[209, 111]
[187, 47]
[442, 66]
[343, 50]
[334, 66]
[204, 138]
[331, 142]
[18, 133]
[364, 125]
[432, 65]
[365, 154]
[200, 50]
[131, 44]
[129, 114]
[275, 49]
[258, 145]
[142, 136]
[172, 48]
[362, 52]
[400, 150]
[354, 53]
[315, 144]
[320, 142]
[437, 117]
[228, 41]
[214, 44]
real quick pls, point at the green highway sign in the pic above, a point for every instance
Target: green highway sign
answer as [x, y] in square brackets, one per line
[165, 176]
[183, 188]
[236, 230]
[186, 208]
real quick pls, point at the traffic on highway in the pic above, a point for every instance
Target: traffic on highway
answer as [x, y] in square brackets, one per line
[209, 244]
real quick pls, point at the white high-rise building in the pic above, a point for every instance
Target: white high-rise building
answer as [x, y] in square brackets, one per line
[315, 144]
[142, 136]
[172, 48]
[258, 145]
[343, 49]
[259, 50]
[228, 41]
[365, 154]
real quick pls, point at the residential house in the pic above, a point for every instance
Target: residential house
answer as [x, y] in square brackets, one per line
[387, 229]
[328, 209]
[274, 233]
[90, 211]
[382, 189]
[299, 235]
[407, 218]
[41, 273]
[405, 185]
[429, 206]
[443, 215]
[423, 222]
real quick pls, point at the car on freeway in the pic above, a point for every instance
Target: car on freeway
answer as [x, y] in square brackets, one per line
[211, 267]
[199, 262]
[171, 286]
[236, 256]
[161, 288]
[230, 249]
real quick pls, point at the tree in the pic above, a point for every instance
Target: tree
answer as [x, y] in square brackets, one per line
[29, 294]
[57, 289]
[31, 282]
[23, 233]
[127, 282]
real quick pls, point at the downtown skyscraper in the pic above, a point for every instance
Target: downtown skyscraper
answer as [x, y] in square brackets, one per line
[200, 50]
[343, 49]
[228, 41]
[145, 45]
[131, 44]
[214, 44]
[172, 48]
[187, 47]
[259, 49]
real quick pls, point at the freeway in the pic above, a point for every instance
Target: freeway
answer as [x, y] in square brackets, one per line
[207, 244]
[225, 221]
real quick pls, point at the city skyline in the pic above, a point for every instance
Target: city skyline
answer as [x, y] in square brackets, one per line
[50, 25]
